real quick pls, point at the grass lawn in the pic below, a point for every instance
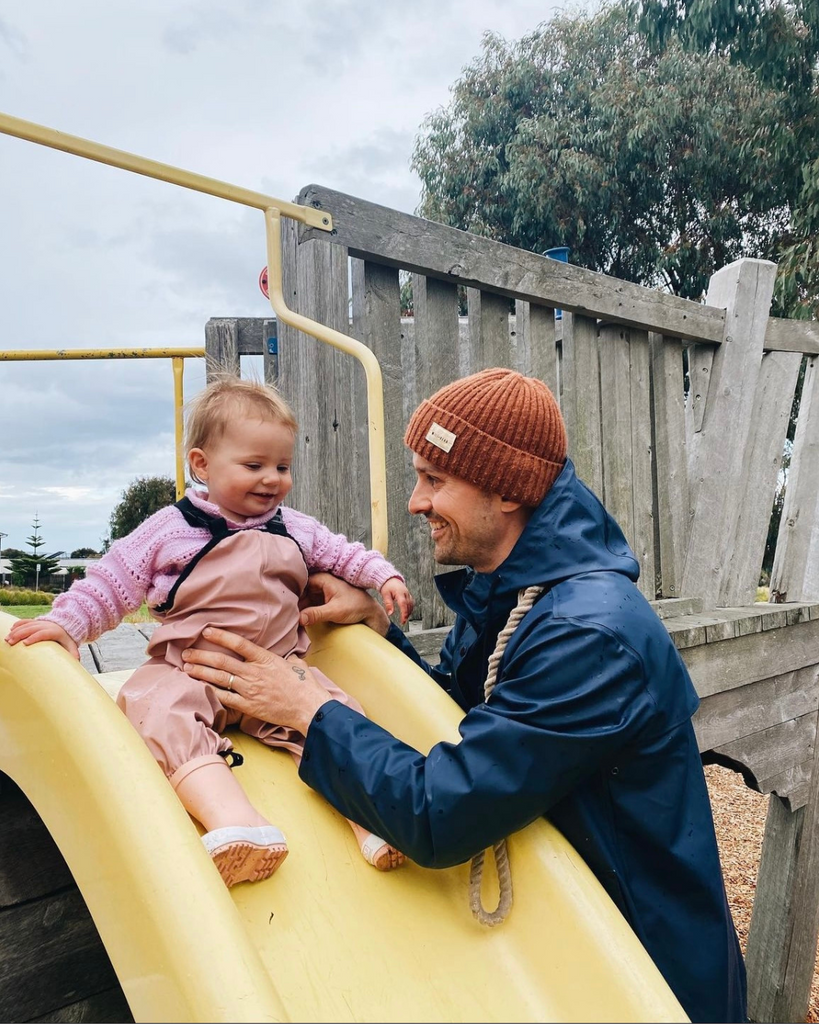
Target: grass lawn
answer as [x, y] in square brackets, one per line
[26, 611]
[31, 611]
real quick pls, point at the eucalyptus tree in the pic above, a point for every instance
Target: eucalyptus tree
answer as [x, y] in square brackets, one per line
[654, 163]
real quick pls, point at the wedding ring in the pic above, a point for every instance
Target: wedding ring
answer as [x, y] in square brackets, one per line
[230, 681]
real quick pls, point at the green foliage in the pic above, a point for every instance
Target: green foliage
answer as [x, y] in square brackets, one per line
[24, 567]
[146, 495]
[656, 165]
[85, 553]
[11, 597]
[778, 41]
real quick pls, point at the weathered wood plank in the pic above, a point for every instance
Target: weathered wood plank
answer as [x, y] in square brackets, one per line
[772, 751]
[31, 865]
[376, 323]
[424, 247]
[759, 705]
[317, 380]
[110, 1005]
[437, 337]
[489, 339]
[757, 485]
[52, 955]
[792, 336]
[580, 400]
[537, 326]
[795, 574]
[222, 346]
[671, 507]
[723, 666]
[745, 289]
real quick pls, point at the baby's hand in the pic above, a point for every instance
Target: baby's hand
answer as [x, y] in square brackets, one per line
[34, 631]
[395, 593]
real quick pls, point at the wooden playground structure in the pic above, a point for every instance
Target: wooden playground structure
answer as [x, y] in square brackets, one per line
[677, 414]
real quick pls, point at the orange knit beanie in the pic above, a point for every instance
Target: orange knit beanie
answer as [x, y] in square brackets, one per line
[497, 429]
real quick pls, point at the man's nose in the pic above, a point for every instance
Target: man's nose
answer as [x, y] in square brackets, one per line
[418, 501]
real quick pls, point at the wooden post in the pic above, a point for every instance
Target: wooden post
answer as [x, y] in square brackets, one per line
[781, 950]
[221, 346]
[719, 456]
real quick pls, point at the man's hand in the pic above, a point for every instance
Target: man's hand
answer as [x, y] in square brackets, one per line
[257, 682]
[34, 631]
[329, 599]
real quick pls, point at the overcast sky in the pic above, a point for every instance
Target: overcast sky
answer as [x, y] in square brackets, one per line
[267, 94]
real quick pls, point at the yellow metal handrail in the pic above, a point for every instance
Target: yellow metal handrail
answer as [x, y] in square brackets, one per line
[274, 210]
[176, 355]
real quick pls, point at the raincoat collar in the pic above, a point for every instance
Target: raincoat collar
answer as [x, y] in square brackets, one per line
[569, 533]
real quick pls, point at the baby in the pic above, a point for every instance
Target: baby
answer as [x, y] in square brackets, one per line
[229, 555]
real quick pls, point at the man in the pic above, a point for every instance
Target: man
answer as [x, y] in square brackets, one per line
[589, 721]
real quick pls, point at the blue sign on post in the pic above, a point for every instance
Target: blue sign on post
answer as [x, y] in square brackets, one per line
[561, 254]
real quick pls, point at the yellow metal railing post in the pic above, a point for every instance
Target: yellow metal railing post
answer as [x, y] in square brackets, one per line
[178, 398]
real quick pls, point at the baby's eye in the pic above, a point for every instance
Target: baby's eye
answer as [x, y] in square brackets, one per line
[252, 465]
[283, 469]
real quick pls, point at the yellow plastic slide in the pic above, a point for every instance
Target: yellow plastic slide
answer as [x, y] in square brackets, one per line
[327, 938]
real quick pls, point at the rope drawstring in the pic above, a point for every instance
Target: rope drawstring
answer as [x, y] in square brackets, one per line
[526, 598]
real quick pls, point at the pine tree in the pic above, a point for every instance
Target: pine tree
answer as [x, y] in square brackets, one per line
[24, 568]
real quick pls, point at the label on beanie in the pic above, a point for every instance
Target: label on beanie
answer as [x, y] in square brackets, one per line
[441, 437]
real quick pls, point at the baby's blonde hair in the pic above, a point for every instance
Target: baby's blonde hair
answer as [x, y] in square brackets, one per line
[223, 400]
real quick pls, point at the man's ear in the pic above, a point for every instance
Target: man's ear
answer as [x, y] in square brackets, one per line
[510, 506]
[198, 463]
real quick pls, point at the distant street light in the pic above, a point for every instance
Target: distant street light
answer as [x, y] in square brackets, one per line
[37, 578]
[2, 568]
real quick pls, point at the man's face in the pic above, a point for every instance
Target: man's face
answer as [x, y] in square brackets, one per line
[467, 524]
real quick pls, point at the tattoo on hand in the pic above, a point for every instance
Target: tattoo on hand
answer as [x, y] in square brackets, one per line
[299, 672]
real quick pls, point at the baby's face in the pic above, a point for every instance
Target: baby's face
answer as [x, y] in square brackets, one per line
[247, 470]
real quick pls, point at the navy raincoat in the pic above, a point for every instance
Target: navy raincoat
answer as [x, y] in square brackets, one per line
[589, 724]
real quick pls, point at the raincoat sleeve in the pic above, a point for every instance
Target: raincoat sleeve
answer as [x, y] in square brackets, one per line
[569, 697]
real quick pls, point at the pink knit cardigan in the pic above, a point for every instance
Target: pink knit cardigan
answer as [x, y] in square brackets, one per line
[145, 565]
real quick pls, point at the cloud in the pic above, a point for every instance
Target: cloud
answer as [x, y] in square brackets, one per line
[269, 96]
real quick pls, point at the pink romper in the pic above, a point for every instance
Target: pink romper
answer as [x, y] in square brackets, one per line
[249, 582]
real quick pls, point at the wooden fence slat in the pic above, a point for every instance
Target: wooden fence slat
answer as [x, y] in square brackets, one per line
[437, 338]
[376, 323]
[489, 340]
[745, 289]
[580, 401]
[316, 379]
[616, 426]
[763, 458]
[796, 562]
[671, 504]
[536, 325]
[221, 346]
[642, 453]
